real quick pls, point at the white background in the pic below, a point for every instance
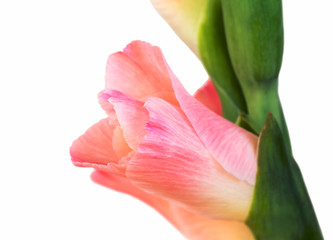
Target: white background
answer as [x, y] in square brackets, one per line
[52, 60]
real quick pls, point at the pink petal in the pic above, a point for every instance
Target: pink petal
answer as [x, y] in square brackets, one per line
[131, 116]
[140, 72]
[101, 147]
[150, 58]
[172, 162]
[193, 226]
[209, 97]
[232, 146]
[103, 99]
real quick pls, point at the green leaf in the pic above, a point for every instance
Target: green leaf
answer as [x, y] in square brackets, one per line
[254, 32]
[214, 54]
[281, 208]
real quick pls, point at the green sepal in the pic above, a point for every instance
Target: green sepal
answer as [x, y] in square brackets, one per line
[254, 32]
[214, 55]
[243, 122]
[281, 207]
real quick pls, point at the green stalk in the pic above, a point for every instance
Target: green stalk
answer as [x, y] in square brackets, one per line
[261, 100]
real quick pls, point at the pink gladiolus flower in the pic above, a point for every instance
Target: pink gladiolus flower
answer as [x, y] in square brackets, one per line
[171, 150]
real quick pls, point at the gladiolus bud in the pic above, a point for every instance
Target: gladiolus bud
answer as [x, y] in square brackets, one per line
[254, 33]
[183, 16]
[213, 51]
[241, 45]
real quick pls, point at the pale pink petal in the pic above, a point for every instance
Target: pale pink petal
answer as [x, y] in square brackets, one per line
[232, 146]
[208, 96]
[140, 72]
[131, 116]
[103, 99]
[104, 103]
[184, 18]
[172, 162]
[101, 147]
[193, 226]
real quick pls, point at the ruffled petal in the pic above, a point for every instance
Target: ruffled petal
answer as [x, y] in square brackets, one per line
[232, 146]
[172, 162]
[191, 225]
[131, 116]
[140, 72]
[183, 16]
[103, 100]
[104, 103]
[209, 97]
[102, 147]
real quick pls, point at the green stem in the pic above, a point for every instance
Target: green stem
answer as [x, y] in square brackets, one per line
[261, 100]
